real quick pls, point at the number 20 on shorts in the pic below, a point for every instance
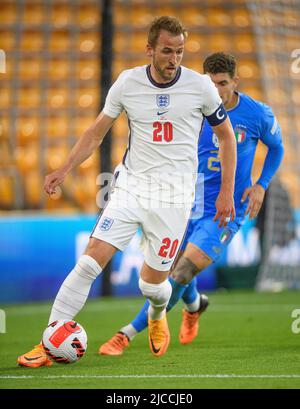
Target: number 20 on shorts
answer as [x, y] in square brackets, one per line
[168, 248]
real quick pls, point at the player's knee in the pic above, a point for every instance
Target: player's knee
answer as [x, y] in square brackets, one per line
[87, 267]
[158, 294]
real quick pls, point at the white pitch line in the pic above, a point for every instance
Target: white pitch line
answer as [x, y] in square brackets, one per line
[199, 376]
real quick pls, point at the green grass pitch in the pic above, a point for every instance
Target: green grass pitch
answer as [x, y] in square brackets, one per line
[245, 341]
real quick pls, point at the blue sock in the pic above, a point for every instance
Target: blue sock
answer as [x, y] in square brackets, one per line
[191, 292]
[140, 322]
[177, 292]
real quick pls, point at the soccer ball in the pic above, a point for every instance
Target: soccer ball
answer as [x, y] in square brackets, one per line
[64, 341]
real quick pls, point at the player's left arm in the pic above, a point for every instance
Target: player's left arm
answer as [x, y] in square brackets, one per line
[271, 137]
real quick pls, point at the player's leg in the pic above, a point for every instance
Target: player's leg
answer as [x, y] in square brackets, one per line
[73, 294]
[113, 231]
[197, 304]
[205, 245]
[155, 286]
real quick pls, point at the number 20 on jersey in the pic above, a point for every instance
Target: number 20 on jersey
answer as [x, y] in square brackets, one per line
[162, 131]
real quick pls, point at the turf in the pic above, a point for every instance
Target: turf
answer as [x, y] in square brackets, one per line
[245, 341]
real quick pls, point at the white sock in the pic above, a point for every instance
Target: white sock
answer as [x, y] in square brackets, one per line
[75, 289]
[129, 331]
[194, 306]
[158, 296]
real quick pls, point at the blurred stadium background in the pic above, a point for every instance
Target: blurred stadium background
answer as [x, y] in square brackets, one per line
[58, 59]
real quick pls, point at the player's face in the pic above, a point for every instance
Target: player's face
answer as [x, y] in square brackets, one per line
[226, 87]
[166, 56]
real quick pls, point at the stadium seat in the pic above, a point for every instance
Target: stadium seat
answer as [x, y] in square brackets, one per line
[30, 68]
[193, 17]
[220, 42]
[244, 43]
[54, 156]
[6, 97]
[248, 69]
[6, 191]
[241, 17]
[33, 186]
[57, 127]
[28, 129]
[58, 69]
[88, 98]
[57, 98]
[88, 16]
[60, 41]
[32, 40]
[7, 40]
[26, 157]
[87, 70]
[29, 98]
[34, 13]
[9, 13]
[88, 42]
[61, 15]
[218, 17]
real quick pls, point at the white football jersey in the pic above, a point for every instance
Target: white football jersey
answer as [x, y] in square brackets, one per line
[164, 120]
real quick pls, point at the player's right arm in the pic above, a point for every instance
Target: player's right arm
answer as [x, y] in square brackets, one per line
[216, 116]
[83, 149]
[92, 137]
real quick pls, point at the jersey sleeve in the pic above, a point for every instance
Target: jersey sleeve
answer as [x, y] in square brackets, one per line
[213, 108]
[113, 103]
[270, 135]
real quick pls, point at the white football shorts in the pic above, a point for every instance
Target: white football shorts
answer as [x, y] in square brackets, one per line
[163, 227]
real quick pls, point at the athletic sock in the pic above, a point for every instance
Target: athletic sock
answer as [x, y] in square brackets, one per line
[177, 292]
[191, 297]
[74, 290]
[129, 331]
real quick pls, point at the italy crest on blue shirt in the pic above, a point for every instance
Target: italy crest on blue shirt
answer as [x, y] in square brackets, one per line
[240, 133]
[162, 100]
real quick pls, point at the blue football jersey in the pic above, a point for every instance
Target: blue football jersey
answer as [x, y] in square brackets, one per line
[251, 121]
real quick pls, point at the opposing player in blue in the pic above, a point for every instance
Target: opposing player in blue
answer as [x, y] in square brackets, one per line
[205, 241]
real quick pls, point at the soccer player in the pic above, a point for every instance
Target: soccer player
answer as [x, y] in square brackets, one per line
[165, 104]
[205, 241]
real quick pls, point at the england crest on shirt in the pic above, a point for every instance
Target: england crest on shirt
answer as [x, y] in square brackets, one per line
[162, 100]
[106, 224]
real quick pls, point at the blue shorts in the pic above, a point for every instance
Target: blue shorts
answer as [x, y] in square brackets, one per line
[205, 234]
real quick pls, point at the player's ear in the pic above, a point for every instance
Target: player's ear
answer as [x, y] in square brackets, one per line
[236, 80]
[149, 50]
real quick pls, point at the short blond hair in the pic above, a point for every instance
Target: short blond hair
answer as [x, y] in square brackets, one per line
[170, 24]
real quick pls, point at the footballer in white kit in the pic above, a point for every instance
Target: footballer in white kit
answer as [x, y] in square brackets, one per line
[154, 185]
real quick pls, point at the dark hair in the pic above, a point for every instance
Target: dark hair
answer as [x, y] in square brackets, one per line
[170, 24]
[220, 62]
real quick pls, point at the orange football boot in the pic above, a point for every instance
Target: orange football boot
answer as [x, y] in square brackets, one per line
[159, 336]
[115, 346]
[35, 358]
[190, 322]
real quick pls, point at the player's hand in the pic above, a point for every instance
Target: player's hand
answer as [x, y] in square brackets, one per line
[225, 208]
[256, 195]
[53, 180]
